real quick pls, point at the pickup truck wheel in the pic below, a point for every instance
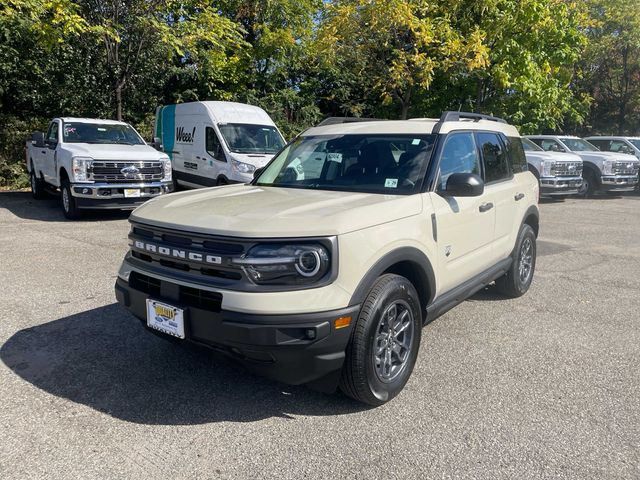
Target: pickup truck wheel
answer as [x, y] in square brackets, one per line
[69, 207]
[517, 280]
[37, 186]
[384, 343]
[589, 184]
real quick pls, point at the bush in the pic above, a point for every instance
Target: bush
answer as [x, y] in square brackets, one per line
[13, 136]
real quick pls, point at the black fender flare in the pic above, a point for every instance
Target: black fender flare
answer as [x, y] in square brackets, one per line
[532, 211]
[411, 255]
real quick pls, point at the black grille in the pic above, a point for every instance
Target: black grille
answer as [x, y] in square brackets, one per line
[144, 283]
[103, 171]
[203, 299]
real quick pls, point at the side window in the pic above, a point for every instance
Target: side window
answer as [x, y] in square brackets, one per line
[603, 145]
[494, 157]
[459, 155]
[52, 134]
[213, 146]
[517, 157]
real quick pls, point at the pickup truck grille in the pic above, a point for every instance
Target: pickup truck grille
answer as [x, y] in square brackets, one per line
[625, 168]
[109, 171]
[567, 169]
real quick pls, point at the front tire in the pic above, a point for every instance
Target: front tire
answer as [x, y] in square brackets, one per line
[589, 184]
[69, 207]
[517, 280]
[384, 343]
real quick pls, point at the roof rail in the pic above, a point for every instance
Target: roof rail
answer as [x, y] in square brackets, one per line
[338, 120]
[455, 116]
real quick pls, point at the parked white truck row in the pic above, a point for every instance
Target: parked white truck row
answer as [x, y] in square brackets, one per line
[104, 164]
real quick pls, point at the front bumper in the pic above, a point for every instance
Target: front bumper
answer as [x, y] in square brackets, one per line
[293, 349]
[112, 195]
[618, 183]
[560, 185]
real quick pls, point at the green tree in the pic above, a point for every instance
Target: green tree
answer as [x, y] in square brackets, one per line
[397, 46]
[612, 65]
[533, 46]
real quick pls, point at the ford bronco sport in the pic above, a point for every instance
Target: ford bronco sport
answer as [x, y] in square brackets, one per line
[325, 267]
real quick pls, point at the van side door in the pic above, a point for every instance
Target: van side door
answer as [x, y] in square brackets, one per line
[465, 225]
[216, 164]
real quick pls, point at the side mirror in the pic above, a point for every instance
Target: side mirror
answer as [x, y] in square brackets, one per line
[157, 143]
[38, 139]
[464, 185]
[257, 172]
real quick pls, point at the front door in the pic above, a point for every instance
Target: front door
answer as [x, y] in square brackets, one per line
[214, 156]
[465, 225]
[49, 158]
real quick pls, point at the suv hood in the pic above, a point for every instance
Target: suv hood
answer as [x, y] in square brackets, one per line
[260, 212]
[114, 151]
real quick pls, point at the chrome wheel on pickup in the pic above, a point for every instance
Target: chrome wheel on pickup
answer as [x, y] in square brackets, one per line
[384, 342]
[69, 207]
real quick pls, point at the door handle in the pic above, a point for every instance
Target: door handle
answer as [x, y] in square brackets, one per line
[43, 151]
[519, 196]
[485, 207]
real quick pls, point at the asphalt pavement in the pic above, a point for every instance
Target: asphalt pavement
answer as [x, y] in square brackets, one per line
[545, 386]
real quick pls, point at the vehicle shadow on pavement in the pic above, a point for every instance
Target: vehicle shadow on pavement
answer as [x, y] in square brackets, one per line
[105, 359]
[24, 206]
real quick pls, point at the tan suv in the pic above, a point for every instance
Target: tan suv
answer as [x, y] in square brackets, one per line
[324, 269]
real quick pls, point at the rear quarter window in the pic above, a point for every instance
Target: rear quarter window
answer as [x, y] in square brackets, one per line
[517, 157]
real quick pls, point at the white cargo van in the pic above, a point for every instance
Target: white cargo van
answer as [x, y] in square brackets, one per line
[216, 143]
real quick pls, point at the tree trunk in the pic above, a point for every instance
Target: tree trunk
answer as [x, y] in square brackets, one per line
[119, 101]
[479, 95]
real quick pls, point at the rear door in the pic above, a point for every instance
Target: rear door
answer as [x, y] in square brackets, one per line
[465, 225]
[501, 190]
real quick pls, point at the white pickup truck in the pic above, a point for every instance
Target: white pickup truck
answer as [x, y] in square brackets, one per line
[95, 164]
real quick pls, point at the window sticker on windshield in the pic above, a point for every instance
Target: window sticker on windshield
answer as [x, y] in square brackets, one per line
[391, 183]
[416, 141]
[334, 157]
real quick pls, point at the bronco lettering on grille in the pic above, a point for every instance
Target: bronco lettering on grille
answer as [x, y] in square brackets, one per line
[177, 253]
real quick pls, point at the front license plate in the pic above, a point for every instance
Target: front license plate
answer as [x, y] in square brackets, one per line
[166, 318]
[131, 192]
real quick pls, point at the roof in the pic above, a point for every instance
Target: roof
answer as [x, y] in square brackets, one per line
[91, 120]
[612, 137]
[415, 126]
[551, 136]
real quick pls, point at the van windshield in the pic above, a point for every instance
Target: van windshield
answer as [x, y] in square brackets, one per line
[107, 133]
[389, 164]
[245, 138]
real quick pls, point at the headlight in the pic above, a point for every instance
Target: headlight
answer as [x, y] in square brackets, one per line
[547, 166]
[607, 167]
[242, 167]
[81, 167]
[166, 164]
[277, 264]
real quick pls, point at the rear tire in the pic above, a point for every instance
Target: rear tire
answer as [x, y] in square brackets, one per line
[222, 181]
[517, 280]
[37, 186]
[69, 207]
[384, 343]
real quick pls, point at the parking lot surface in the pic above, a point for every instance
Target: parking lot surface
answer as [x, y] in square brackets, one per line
[545, 386]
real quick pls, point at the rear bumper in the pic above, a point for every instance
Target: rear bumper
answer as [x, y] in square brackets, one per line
[112, 195]
[293, 349]
[560, 185]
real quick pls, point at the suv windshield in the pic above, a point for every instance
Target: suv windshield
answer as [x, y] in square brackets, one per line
[82, 132]
[245, 138]
[579, 145]
[529, 146]
[390, 164]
